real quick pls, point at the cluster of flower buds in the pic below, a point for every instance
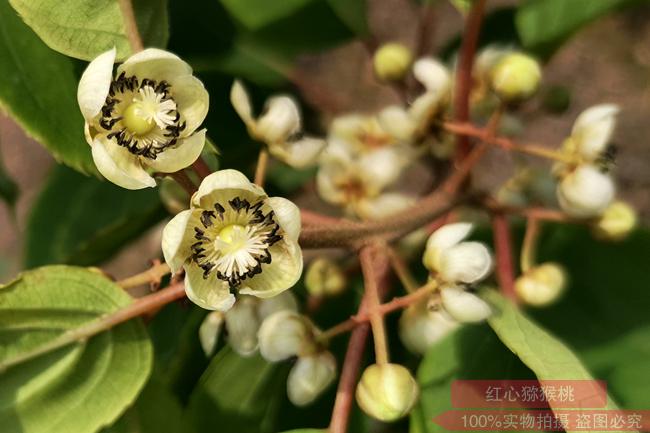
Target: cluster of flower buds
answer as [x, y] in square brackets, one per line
[455, 265]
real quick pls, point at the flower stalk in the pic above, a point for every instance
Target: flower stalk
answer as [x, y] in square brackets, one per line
[151, 275]
[131, 25]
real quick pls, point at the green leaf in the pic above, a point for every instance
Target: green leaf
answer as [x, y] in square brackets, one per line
[86, 28]
[155, 411]
[255, 14]
[353, 13]
[307, 430]
[544, 24]
[544, 354]
[77, 388]
[81, 220]
[38, 89]
[237, 394]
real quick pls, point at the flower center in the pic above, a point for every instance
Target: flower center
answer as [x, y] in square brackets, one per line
[141, 115]
[233, 240]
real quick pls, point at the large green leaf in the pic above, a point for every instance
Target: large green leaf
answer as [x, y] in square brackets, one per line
[237, 395]
[81, 220]
[77, 388]
[544, 24]
[86, 28]
[38, 89]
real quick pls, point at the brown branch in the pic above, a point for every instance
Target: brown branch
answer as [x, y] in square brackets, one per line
[505, 271]
[201, 168]
[464, 73]
[184, 181]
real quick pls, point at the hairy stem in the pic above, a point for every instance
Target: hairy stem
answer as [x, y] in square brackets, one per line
[527, 258]
[260, 169]
[131, 25]
[503, 250]
[137, 308]
[366, 258]
[153, 274]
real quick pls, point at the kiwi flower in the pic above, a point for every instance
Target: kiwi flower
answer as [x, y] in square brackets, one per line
[234, 239]
[143, 116]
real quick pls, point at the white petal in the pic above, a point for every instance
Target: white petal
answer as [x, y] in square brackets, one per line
[348, 126]
[177, 237]
[586, 192]
[300, 153]
[285, 301]
[95, 84]
[155, 64]
[287, 215]
[120, 166]
[326, 183]
[397, 122]
[210, 293]
[181, 156]
[227, 182]
[242, 103]
[433, 75]
[443, 238]
[280, 120]
[283, 335]
[384, 205]
[309, 377]
[192, 101]
[420, 328]
[424, 108]
[242, 325]
[281, 274]
[209, 331]
[593, 129]
[464, 306]
[467, 262]
[383, 167]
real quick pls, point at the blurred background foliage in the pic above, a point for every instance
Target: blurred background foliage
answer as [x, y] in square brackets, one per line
[317, 49]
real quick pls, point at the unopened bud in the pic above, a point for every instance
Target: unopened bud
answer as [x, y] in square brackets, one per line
[585, 192]
[284, 334]
[209, 331]
[420, 327]
[309, 377]
[242, 325]
[324, 278]
[392, 61]
[515, 77]
[283, 301]
[618, 220]
[541, 285]
[387, 392]
[464, 306]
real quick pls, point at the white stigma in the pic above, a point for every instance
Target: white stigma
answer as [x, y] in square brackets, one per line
[152, 109]
[238, 246]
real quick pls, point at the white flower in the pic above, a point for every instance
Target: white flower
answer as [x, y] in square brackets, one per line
[285, 334]
[387, 392]
[456, 261]
[585, 192]
[234, 237]
[420, 327]
[143, 117]
[279, 126]
[209, 331]
[593, 130]
[464, 306]
[309, 377]
[542, 284]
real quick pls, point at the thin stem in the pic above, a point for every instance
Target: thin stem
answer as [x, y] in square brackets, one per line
[184, 180]
[402, 271]
[527, 258]
[371, 288]
[137, 308]
[389, 307]
[153, 274]
[260, 169]
[131, 25]
[464, 73]
[201, 168]
[503, 250]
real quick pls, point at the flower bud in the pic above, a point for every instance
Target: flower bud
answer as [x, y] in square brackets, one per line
[421, 327]
[309, 377]
[515, 77]
[464, 306]
[387, 392]
[209, 331]
[242, 325]
[541, 285]
[283, 301]
[618, 220]
[467, 262]
[324, 278]
[585, 192]
[392, 61]
[284, 334]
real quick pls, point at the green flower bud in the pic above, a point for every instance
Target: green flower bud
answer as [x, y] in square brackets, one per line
[541, 285]
[324, 278]
[616, 222]
[516, 77]
[387, 392]
[392, 61]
